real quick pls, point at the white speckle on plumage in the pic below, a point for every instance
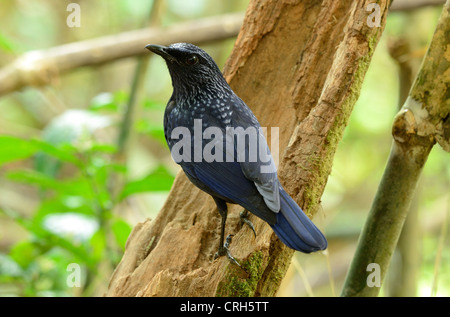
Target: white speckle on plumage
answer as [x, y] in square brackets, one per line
[202, 84]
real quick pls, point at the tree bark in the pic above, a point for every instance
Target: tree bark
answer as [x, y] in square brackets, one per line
[403, 270]
[299, 66]
[423, 120]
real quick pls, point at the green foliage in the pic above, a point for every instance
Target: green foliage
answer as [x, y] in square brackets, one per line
[76, 219]
[158, 180]
[15, 148]
[152, 126]
[6, 44]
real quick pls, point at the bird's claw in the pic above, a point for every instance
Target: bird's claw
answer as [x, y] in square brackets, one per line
[223, 250]
[244, 219]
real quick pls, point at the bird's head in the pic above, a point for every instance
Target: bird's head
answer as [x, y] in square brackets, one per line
[190, 67]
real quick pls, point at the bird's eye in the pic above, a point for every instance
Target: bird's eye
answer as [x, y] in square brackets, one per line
[192, 60]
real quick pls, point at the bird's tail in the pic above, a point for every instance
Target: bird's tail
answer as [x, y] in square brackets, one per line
[295, 229]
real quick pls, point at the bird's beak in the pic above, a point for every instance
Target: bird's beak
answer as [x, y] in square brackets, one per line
[161, 51]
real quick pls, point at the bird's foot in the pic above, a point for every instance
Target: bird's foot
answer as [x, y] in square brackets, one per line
[244, 219]
[223, 250]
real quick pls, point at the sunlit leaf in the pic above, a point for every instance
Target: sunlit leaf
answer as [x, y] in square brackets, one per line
[158, 180]
[65, 152]
[23, 253]
[77, 186]
[154, 130]
[121, 230]
[154, 105]
[98, 244]
[36, 178]
[14, 148]
[7, 45]
[104, 148]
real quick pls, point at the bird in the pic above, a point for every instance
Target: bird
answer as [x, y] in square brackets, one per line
[203, 105]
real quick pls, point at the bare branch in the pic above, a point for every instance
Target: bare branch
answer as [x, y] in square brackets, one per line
[422, 121]
[407, 5]
[38, 68]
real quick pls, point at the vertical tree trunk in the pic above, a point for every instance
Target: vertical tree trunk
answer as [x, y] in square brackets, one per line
[423, 120]
[402, 275]
[299, 66]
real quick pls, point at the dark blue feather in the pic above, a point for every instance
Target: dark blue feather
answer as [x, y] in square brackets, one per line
[201, 93]
[295, 229]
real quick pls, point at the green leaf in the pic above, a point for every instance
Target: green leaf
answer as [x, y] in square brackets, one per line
[62, 204]
[7, 45]
[103, 148]
[158, 180]
[36, 178]
[154, 105]
[154, 130]
[158, 134]
[14, 148]
[24, 253]
[121, 230]
[98, 244]
[64, 151]
[77, 186]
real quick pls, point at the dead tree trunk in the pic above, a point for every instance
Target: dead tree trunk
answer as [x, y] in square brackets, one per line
[299, 66]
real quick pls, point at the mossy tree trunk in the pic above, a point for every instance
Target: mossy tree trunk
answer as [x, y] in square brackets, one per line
[403, 270]
[423, 121]
[299, 66]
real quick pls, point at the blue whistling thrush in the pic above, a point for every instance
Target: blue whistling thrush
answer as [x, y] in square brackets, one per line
[236, 166]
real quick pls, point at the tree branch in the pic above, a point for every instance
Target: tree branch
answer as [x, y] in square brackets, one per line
[423, 120]
[38, 68]
[299, 66]
[408, 5]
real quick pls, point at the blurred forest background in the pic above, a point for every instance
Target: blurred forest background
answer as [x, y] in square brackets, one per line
[71, 188]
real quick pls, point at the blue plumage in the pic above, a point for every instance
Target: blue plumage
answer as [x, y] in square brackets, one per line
[202, 101]
[295, 229]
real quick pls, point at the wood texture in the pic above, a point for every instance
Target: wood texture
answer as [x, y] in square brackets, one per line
[299, 66]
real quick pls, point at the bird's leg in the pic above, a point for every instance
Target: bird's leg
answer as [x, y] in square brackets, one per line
[244, 219]
[223, 247]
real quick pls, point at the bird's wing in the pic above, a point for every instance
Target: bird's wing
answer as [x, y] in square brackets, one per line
[226, 181]
[262, 171]
[252, 184]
